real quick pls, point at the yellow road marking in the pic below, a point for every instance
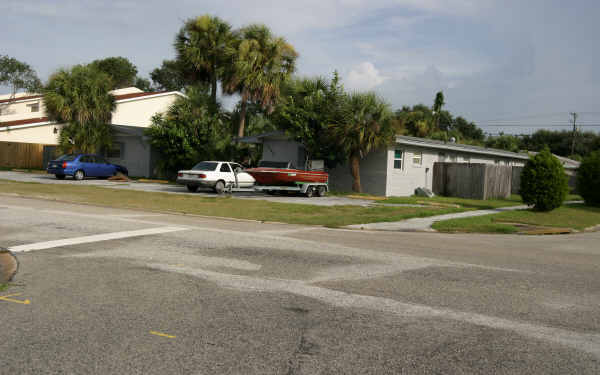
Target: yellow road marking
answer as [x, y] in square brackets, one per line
[5, 298]
[162, 334]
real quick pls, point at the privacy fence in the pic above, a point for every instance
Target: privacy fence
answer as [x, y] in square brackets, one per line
[25, 155]
[475, 181]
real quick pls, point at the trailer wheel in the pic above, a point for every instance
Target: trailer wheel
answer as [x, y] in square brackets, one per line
[310, 192]
[322, 191]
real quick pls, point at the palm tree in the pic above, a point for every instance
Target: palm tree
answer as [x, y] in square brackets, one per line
[261, 63]
[366, 126]
[202, 44]
[80, 98]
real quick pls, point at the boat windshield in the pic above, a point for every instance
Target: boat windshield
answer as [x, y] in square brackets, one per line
[274, 164]
[205, 166]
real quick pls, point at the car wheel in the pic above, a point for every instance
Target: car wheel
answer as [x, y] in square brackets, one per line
[310, 192]
[322, 191]
[219, 187]
[192, 188]
[60, 176]
[79, 175]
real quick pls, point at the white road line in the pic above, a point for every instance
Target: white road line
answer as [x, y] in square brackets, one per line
[93, 238]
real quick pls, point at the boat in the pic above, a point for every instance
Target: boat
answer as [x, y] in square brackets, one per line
[274, 173]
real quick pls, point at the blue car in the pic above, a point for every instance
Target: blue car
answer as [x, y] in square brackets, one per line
[80, 166]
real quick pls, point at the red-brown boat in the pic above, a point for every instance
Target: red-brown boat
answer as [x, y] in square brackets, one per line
[271, 173]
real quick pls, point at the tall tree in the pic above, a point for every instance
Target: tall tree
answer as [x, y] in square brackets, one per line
[172, 76]
[202, 43]
[191, 130]
[18, 75]
[366, 125]
[121, 71]
[262, 62]
[80, 98]
[308, 106]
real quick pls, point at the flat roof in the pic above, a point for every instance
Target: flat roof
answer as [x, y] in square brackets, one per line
[441, 145]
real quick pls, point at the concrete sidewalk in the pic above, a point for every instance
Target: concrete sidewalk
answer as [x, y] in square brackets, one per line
[424, 224]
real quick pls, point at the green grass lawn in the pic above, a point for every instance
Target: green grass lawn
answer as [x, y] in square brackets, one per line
[514, 200]
[571, 216]
[222, 206]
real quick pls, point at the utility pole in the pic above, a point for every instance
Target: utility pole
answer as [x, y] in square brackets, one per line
[574, 115]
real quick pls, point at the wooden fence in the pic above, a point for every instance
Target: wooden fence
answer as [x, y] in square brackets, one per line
[475, 181]
[22, 155]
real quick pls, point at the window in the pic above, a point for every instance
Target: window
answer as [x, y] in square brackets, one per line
[115, 151]
[235, 166]
[417, 159]
[398, 155]
[35, 107]
[225, 168]
[205, 166]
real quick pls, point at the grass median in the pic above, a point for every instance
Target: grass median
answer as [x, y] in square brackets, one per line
[570, 216]
[221, 206]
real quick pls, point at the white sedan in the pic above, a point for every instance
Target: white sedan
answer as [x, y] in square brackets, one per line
[215, 174]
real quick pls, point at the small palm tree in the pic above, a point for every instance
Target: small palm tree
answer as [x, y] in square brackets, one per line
[80, 98]
[261, 64]
[366, 126]
[202, 44]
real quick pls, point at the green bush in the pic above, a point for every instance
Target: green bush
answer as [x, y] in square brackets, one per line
[588, 179]
[544, 183]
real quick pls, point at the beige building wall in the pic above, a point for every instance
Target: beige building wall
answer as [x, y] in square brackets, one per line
[22, 110]
[43, 134]
[139, 111]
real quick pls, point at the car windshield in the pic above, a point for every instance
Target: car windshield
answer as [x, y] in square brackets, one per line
[205, 166]
[69, 157]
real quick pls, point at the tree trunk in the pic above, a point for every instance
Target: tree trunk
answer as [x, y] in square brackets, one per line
[355, 171]
[242, 118]
[213, 90]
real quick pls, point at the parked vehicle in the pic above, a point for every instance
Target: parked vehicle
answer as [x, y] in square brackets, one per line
[217, 175]
[275, 176]
[80, 166]
[283, 173]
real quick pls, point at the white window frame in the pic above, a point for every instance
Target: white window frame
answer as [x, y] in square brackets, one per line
[33, 106]
[417, 155]
[401, 159]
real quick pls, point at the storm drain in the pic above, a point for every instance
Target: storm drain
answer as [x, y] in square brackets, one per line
[8, 266]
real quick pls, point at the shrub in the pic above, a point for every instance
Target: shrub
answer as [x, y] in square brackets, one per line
[544, 183]
[588, 179]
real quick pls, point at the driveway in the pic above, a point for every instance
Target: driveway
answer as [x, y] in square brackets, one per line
[179, 189]
[113, 291]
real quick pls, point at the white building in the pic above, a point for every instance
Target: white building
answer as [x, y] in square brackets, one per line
[395, 171]
[408, 164]
[23, 120]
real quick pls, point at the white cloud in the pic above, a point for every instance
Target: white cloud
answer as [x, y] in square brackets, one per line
[364, 77]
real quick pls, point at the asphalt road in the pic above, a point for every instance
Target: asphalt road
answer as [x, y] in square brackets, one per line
[127, 292]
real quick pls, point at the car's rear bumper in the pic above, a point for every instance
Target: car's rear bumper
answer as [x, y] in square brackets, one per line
[195, 181]
[67, 172]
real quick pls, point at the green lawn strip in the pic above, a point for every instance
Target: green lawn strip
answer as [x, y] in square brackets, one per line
[332, 216]
[3, 287]
[573, 216]
[514, 200]
[476, 224]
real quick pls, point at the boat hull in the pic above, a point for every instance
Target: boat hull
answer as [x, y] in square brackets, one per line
[286, 177]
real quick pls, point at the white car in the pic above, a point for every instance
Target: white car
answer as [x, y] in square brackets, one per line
[215, 174]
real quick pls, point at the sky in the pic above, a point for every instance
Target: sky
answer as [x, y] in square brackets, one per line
[511, 66]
